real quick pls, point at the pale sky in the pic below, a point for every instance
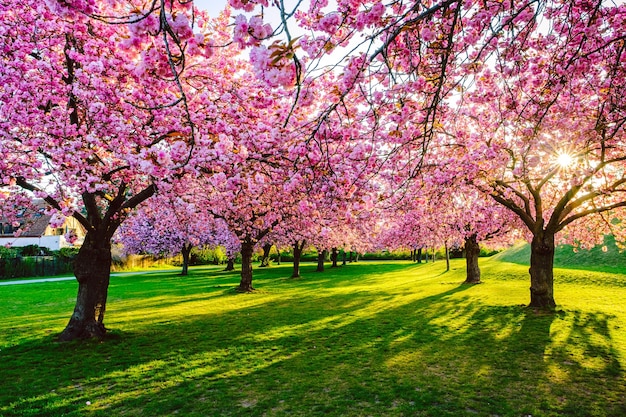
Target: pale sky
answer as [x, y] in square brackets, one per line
[213, 7]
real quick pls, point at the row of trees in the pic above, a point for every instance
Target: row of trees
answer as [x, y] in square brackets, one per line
[397, 124]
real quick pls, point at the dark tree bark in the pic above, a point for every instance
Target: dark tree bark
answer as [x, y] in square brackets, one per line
[92, 267]
[230, 264]
[321, 256]
[351, 259]
[419, 255]
[541, 270]
[334, 255]
[265, 260]
[472, 250]
[298, 247]
[186, 252]
[447, 254]
[343, 257]
[247, 248]
[277, 256]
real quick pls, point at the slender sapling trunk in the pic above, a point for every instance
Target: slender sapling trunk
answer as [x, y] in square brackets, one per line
[230, 264]
[265, 260]
[334, 255]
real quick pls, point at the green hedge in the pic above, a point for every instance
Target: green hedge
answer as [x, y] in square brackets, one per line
[35, 261]
[34, 266]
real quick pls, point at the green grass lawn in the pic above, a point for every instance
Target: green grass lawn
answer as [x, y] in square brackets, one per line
[367, 339]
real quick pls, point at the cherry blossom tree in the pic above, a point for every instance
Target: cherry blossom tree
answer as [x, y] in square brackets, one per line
[242, 186]
[546, 130]
[446, 195]
[95, 111]
[470, 218]
[170, 224]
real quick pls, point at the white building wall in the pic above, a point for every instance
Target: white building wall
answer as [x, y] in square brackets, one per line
[50, 242]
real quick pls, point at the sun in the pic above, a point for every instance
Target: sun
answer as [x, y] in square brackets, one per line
[564, 159]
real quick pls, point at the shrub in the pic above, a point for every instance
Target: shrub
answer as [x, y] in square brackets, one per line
[387, 255]
[488, 252]
[66, 254]
[34, 250]
[6, 253]
[206, 255]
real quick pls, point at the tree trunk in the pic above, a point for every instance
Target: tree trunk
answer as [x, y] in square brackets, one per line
[351, 259]
[92, 267]
[447, 250]
[419, 255]
[334, 255]
[297, 254]
[343, 257]
[186, 251]
[230, 264]
[472, 250]
[541, 271]
[277, 256]
[247, 248]
[321, 255]
[265, 261]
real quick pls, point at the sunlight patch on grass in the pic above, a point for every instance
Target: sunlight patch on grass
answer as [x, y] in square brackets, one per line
[559, 372]
[403, 359]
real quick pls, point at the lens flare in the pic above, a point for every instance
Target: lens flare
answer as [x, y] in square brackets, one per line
[564, 160]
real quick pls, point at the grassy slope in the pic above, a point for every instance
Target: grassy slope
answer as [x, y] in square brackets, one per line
[608, 260]
[380, 339]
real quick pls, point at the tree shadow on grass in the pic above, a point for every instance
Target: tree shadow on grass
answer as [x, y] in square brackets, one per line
[513, 359]
[368, 353]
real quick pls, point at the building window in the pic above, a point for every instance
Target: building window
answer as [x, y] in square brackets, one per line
[7, 229]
